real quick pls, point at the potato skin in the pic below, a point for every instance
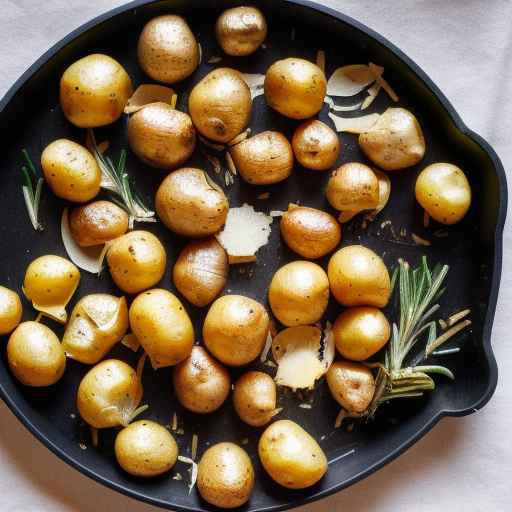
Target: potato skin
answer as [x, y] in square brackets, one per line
[189, 204]
[351, 384]
[108, 394]
[201, 383]
[136, 261]
[255, 397]
[35, 355]
[94, 91]
[359, 277]
[11, 310]
[167, 49]
[201, 271]
[291, 456]
[240, 31]
[71, 171]
[444, 192]
[162, 326]
[309, 232]
[395, 141]
[295, 88]
[263, 159]
[96, 223]
[161, 136]
[225, 476]
[220, 105]
[298, 293]
[316, 146]
[146, 449]
[235, 329]
[360, 332]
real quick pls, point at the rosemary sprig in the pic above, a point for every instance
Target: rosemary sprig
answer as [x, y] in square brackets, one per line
[115, 179]
[32, 188]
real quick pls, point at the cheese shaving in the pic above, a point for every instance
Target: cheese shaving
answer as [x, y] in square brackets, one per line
[131, 341]
[354, 124]
[266, 348]
[350, 80]
[255, 83]
[149, 93]
[214, 60]
[193, 471]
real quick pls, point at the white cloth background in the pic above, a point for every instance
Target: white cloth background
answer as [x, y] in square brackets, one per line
[463, 464]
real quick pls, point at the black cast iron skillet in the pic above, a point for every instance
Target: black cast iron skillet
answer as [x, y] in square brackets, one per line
[30, 118]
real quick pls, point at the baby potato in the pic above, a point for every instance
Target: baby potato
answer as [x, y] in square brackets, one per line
[352, 188]
[235, 329]
[225, 476]
[299, 293]
[35, 355]
[97, 223]
[71, 171]
[291, 456]
[145, 448]
[395, 141]
[264, 159]
[316, 146]
[109, 394]
[255, 397]
[360, 332]
[201, 271]
[351, 384]
[220, 105]
[161, 136]
[162, 326]
[189, 203]
[136, 261]
[167, 50]
[50, 282]
[295, 88]
[240, 31]
[94, 91]
[444, 192]
[359, 277]
[97, 323]
[11, 310]
[309, 232]
[201, 383]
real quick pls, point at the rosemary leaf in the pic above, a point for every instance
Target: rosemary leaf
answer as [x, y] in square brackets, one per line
[32, 190]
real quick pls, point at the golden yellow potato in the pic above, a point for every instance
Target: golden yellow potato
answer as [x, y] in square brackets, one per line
[235, 329]
[97, 323]
[11, 310]
[109, 394]
[352, 188]
[162, 326]
[359, 277]
[201, 383]
[255, 398]
[201, 271]
[240, 31]
[189, 203]
[145, 448]
[97, 223]
[71, 171]
[291, 456]
[161, 136]
[351, 384]
[225, 476]
[94, 91]
[264, 159]
[295, 88]
[309, 232]
[220, 105]
[444, 192]
[316, 146]
[167, 50]
[35, 355]
[395, 141]
[299, 293]
[360, 332]
[50, 282]
[136, 261]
